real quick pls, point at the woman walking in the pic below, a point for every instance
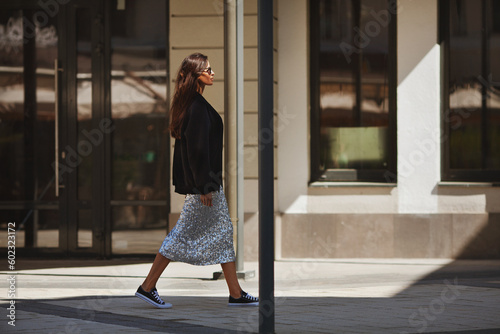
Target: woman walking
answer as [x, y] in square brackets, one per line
[203, 234]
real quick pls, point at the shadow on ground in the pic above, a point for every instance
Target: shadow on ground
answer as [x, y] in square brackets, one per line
[40, 263]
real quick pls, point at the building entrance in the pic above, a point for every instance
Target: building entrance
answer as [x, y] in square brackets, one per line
[50, 145]
[67, 178]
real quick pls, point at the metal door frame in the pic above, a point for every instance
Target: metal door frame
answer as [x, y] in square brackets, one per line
[68, 136]
[67, 204]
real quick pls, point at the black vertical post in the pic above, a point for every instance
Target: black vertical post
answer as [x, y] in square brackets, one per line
[391, 174]
[101, 112]
[266, 167]
[357, 64]
[315, 116]
[29, 76]
[485, 73]
[444, 40]
[64, 129]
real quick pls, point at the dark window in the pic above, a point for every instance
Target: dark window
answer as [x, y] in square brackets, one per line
[495, 13]
[353, 57]
[139, 109]
[471, 90]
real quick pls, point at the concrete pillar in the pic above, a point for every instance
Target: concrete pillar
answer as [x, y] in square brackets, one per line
[418, 106]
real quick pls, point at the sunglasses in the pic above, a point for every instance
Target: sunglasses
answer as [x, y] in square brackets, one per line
[208, 70]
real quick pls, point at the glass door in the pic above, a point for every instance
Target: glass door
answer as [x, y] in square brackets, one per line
[28, 196]
[140, 140]
[83, 128]
[53, 127]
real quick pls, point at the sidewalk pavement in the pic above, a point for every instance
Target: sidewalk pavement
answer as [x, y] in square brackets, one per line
[336, 296]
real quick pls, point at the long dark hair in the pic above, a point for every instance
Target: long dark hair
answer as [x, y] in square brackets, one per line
[186, 87]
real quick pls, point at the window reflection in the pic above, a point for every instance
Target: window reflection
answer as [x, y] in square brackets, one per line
[27, 114]
[493, 102]
[47, 232]
[84, 107]
[127, 220]
[140, 162]
[11, 107]
[474, 97]
[354, 90]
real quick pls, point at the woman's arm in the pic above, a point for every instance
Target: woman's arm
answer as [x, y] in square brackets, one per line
[197, 134]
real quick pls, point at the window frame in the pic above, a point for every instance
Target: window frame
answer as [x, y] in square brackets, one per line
[388, 175]
[447, 173]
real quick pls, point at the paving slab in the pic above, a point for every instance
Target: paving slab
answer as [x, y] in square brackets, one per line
[329, 296]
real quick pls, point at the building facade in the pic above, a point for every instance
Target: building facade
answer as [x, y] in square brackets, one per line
[387, 124]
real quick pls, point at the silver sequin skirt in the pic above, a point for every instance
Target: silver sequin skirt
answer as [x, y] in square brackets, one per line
[203, 235]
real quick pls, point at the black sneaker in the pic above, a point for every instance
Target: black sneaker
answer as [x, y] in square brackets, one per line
[244, 300]
[152, 297]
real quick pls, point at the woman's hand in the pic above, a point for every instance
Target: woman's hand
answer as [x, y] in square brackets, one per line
[206, 199]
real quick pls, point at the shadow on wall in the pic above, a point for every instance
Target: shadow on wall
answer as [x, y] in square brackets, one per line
[485, 244]
[422, 27]
[479, 234]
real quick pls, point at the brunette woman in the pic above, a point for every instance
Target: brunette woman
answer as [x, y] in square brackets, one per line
[203, 234]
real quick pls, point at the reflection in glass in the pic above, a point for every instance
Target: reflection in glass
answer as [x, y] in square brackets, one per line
[12, 186]
[374, 64]
[84, 146]
[473, 127]
[140, 162]
[139, 103]
[84, 228]
[354, 90]
[27, 117]
[46, 233]
[138, 229]
[493, 102]
[464, 118]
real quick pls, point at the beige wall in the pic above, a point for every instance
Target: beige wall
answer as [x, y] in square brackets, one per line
[417, 217]
[292, 124]
[419, 211]
[198, 26]
[418, 189]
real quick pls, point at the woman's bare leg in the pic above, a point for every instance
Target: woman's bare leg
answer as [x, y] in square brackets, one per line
[159, 265]
[231, 279]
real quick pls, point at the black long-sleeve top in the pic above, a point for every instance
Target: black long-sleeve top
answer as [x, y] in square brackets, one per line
[197, 166]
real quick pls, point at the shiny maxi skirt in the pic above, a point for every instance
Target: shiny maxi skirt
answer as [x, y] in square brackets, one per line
[203, 234]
